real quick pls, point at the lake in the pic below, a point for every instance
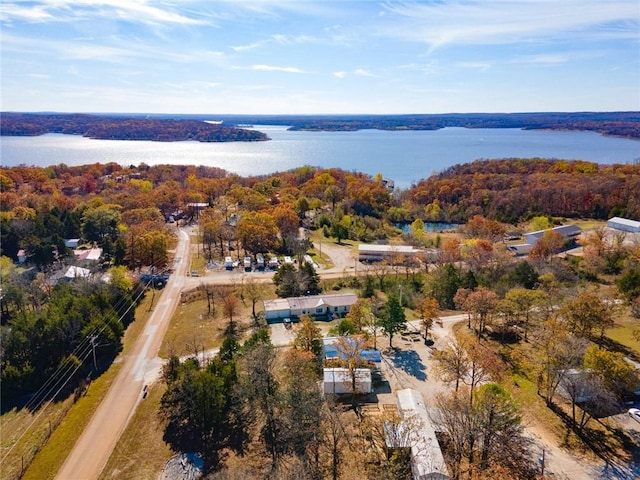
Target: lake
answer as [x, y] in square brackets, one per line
[404, 156]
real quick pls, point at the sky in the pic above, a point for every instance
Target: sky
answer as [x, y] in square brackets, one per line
[319, 57]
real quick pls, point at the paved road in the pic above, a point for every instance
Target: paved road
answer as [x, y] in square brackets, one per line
[93, 448]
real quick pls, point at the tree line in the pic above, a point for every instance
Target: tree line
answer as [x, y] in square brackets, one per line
[123, 128]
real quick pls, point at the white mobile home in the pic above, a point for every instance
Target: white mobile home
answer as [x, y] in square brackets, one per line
[427, 460]
[338, 381]
[319, 306]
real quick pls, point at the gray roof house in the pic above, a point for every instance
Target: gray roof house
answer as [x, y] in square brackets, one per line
[568, 232]
[318, 306]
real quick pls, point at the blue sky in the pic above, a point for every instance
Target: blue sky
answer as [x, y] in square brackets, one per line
[307, 57]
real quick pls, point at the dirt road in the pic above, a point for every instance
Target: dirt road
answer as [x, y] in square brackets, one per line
[93, 448]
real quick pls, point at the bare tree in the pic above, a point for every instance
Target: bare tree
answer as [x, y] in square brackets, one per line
[558, 351]
[452, 363]
[485, 434]
[255, 291]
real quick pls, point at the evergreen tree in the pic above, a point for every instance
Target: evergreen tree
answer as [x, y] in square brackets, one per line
[393, 319]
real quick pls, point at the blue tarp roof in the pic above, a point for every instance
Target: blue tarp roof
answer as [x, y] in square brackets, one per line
[330, 350]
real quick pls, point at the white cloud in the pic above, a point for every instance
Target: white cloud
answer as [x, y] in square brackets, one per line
[543, 59]
[138, 11]
[339, 74]
[482, 66]
[273, 68]
[508, 21]
[250, 46]
[363, 73]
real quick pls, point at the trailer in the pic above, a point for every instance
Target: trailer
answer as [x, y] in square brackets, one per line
[260, 263]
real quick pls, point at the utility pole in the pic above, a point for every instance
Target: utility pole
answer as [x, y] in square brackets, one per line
[92, 339]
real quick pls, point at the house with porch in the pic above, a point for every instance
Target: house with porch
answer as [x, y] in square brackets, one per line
[320, 307]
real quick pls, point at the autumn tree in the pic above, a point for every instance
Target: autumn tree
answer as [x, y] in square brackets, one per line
[481, 303]
[525, 302]
[359, 314]
[452, 362]
[287, 222]
[333, 194]
[257, 232]
[428, 311]
[308, 337]
[557, 352]
[483, 228]
[587, 313]
[550, 243]
[615, 372]
[152, 248]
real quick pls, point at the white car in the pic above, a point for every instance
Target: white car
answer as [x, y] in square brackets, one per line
[635, 414]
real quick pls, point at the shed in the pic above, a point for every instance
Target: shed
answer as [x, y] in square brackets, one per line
[71, 242]
[74, 272]
[624, 224]
[338, 381]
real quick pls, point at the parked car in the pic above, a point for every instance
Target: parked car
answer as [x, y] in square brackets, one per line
[635, 414]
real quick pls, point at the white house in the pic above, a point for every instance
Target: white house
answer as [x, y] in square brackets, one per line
[319, 306]
[624, 224]
[338, 381]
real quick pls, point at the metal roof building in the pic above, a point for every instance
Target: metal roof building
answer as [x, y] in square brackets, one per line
[624, 224]
[427, 461]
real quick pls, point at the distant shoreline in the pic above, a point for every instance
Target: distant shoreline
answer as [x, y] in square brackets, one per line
[223, 128]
